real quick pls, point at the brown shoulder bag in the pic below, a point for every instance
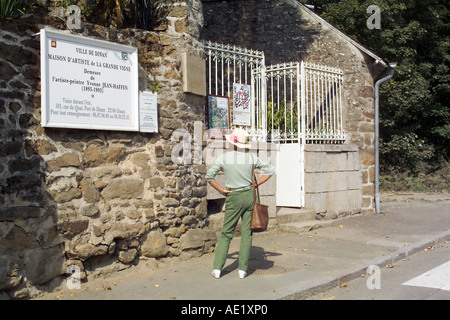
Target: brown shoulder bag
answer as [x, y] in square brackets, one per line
[260, 214]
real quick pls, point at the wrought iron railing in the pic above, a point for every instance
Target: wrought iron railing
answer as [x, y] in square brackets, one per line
[290, 102]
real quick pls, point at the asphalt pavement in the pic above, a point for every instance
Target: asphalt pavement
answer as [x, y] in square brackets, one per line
[285, 265]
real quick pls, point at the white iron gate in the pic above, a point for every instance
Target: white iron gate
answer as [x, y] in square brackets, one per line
[227, 65]
[284, 127]
[291, 103]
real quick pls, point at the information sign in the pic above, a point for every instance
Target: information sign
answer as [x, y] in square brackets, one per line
[88, 83]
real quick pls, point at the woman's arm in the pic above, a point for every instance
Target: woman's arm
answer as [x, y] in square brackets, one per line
[218, 187]
[263, 179]
[267, 168]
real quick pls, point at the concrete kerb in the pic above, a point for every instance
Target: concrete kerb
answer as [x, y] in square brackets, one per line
[355, 272]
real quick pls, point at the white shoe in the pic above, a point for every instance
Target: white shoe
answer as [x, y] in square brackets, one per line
[242, 274]
[216, 273]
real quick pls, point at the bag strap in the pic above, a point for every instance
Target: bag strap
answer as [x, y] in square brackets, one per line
[254, 182]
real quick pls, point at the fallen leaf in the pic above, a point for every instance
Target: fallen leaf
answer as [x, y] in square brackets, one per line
[390, 266]
[307, 264]
[156, 285]
[173, 298]
[341, 226]
[343, 285]
[107, 287]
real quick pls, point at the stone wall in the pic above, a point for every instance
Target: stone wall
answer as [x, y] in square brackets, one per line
[286, 32]
[333, 179]
[99, 200]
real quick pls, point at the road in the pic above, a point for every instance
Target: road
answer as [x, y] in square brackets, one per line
[422, 276]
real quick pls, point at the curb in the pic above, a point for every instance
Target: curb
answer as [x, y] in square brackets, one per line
[356, 272]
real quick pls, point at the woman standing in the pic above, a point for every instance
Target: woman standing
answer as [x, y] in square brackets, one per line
[236, 164]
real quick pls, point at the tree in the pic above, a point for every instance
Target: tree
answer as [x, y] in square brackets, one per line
[414, 106]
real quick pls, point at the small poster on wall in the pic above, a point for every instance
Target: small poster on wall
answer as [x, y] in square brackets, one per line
[148, 111]
[218, 112]
[241, 104]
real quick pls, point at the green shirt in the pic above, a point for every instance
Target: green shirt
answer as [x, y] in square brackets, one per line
[237, 168]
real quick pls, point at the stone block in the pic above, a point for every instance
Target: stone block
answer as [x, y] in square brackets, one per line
[337, 181]
[368, 157]
[42, 265]
[344, 202]
[96, 155]
[155, 245]
[271, 201]
[84, 251]
[333, 161]
[200, 239]
[354, 198]
[316, 182]
[72, 228]
[66, 160]
[315, 162]
[123, 188]
[316, 201]
[338, 201]
[89, 191]
[170, 202]
[156, 182]
[65, 196]
[353, 161]
[354, 180]
[194, 79]
[127, 256]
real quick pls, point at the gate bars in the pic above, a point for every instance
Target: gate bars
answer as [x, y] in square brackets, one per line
[228, 64]
[323, 103]
[291, 102]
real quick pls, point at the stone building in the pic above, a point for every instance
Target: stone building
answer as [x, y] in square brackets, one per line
[338, 178]
[103, 200]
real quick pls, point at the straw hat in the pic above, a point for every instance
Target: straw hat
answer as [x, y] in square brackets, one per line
[239, 138]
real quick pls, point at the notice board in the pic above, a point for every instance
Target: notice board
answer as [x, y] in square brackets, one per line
[88, 83]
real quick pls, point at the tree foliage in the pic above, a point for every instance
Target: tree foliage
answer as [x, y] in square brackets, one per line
[414, 105]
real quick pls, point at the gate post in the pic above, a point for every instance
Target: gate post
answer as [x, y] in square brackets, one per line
[263, 95]
[302, 92]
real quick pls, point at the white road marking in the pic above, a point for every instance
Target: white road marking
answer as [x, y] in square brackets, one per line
[438, 278]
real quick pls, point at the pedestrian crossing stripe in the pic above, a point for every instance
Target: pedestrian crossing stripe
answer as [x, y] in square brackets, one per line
[437, 278]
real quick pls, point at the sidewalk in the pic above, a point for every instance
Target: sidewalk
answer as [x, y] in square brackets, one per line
[287, 265]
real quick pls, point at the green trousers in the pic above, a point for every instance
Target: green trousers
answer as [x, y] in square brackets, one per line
[239, 204]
